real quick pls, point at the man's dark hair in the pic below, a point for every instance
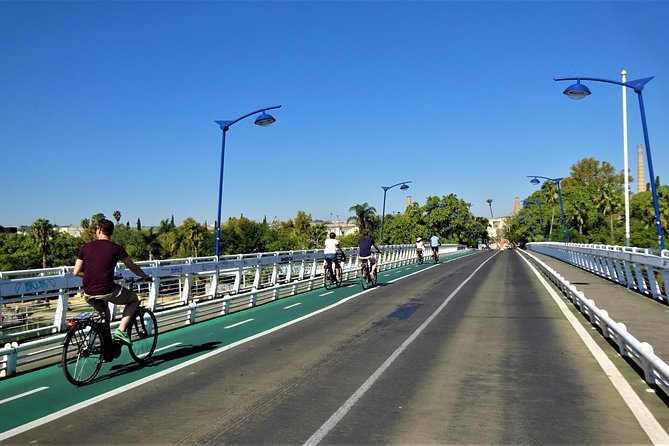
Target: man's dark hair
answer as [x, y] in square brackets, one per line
[332, 235]
[106, 226]
[365, 233]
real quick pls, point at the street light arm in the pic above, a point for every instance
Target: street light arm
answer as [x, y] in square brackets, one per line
[636, 85]
[385, 188]
[226, 124]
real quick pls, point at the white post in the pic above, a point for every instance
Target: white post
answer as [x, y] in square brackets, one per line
[626, 167]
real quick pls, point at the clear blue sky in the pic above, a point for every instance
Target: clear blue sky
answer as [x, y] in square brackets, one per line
[110, 105]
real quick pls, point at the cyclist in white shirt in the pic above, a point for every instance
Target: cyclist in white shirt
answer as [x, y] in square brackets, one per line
[330, 251]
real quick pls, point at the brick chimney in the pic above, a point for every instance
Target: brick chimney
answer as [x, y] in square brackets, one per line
[516, 206]
[408, 200]
[641, 170]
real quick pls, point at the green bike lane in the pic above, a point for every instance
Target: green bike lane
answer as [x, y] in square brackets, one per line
[37, 397]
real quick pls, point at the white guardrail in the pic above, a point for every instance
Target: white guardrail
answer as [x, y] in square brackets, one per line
[639, 269]
[35, 305]
[621, 262]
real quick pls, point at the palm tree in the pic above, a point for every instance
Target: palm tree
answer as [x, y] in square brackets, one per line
[608, 203]
[195, 233]
[364, 216]
[489, 201]
[552, 198]
[117, 216]
[41, 230]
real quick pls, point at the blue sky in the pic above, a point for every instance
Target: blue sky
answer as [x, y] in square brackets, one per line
[111, 105]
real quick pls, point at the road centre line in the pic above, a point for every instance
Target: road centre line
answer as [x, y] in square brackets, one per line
[238, 324]
[15, 397]
[332, 422]
[647, 421]
[119, 390]
[291, 306]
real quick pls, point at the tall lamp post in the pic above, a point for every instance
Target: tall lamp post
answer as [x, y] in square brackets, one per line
[579, 91]
[541, 216]
[489, 201]
[535, 181]
[404, 186]
[262, 120]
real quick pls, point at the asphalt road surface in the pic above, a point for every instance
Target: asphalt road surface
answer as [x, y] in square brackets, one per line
[471, 351]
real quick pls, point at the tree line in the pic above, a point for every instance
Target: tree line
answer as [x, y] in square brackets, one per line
[593, 198]
[41, 245]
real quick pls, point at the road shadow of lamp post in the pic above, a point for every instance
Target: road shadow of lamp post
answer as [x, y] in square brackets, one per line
[404, 185]
[579, 91]
[535, 181]
[262, 120]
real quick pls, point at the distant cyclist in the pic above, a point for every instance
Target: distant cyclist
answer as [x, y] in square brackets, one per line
[330, 251]
[420, 247]
[365, 250]
[434, 244]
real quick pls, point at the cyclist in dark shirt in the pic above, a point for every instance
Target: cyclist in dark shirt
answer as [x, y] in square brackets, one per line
[95, 263]
[365, 249]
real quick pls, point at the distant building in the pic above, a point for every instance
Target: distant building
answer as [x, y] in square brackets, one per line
[341, 228]
[70, 229]
[496, 229]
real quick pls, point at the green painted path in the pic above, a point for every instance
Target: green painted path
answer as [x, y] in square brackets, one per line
[37, 397]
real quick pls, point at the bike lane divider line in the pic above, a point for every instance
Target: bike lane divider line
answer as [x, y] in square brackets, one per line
[15, 397]
[238, 324]
[325, 294]
[291, 306]
[167, 347]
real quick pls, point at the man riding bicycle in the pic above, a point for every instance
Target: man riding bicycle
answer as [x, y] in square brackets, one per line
[434, 244]
[330, 251]
[419, 247]
[95, 263]
[365, 250]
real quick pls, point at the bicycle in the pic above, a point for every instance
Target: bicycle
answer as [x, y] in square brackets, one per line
[419, 253]
[435, 254]
[367, 279]
[330, 278]
[89, 343]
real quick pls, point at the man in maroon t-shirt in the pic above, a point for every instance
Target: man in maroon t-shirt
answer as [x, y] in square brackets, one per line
[95, 263]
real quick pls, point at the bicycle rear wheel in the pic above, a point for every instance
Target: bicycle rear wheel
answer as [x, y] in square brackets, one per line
[365, 279]
[83, 354]
[327, 279]
[143, 333]
[338, 278]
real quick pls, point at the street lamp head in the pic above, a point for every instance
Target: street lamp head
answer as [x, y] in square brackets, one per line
[535, 181]
[404, 186]
[577, 91]
[264, 119]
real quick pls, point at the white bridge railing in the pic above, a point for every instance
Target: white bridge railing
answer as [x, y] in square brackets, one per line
[639, 269]
[656, 371]
[35, 305]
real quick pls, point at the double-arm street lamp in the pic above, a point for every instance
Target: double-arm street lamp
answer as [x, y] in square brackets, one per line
[262, 120]
[404, 186]
[535, 181]
[579, 91]
[541, 216]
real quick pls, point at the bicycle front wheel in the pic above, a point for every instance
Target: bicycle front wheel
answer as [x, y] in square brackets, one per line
[83, 354]
[365, 279]
[338, 278]
[143, 333]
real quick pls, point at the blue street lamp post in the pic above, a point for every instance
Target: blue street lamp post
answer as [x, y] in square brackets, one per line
[535, 180]
[541, 216]
[579, 91]
[405, 186]
[263, 120]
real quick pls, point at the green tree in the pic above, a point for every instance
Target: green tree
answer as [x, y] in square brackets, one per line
[364, 218]
[42, 231]
[117, 216]
[18, 252]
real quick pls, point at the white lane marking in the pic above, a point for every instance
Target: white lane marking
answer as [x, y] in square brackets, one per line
[46, 350]
[21, 395]
[167, 346]
[325, 294]
[119, 390]
[649, 424]
[291, 306]
[318, 436]
[238, 324]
